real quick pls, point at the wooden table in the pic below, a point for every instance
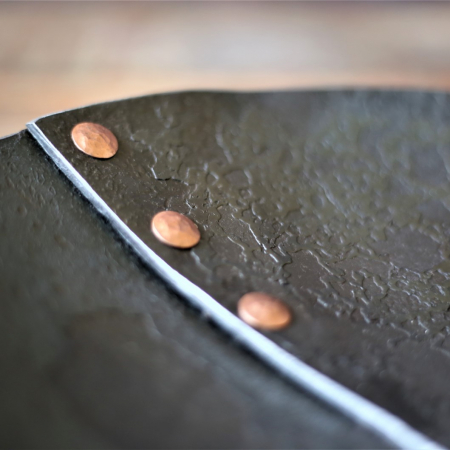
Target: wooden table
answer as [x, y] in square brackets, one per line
[56, 56]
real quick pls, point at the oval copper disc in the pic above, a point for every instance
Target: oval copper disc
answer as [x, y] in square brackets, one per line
[175, 229]
[95, 140]
[264, 311]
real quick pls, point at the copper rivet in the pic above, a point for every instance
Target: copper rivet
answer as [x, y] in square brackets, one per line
[174, 229]
[263, 311]
[95, 140]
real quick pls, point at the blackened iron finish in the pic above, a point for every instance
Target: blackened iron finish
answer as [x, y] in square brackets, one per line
[96, 352]
[336, 202]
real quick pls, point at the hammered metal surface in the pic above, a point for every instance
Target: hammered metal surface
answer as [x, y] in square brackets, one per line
[336, 202]
[96, 352]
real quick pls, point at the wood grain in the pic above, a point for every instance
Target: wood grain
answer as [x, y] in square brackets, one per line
[56, 56]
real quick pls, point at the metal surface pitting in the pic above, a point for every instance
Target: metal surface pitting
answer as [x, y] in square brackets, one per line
[94, 140]
[335, 202]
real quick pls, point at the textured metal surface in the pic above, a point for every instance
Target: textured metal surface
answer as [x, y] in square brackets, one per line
[96, 352]
[335, 202]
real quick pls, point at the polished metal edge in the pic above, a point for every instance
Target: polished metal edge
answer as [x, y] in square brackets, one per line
[362, 411]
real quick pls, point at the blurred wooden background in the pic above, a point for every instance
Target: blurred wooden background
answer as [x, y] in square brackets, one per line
[59, 55]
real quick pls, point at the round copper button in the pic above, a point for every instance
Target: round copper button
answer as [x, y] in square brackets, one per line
[95, 140]
[174, 229]
[264, 311]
